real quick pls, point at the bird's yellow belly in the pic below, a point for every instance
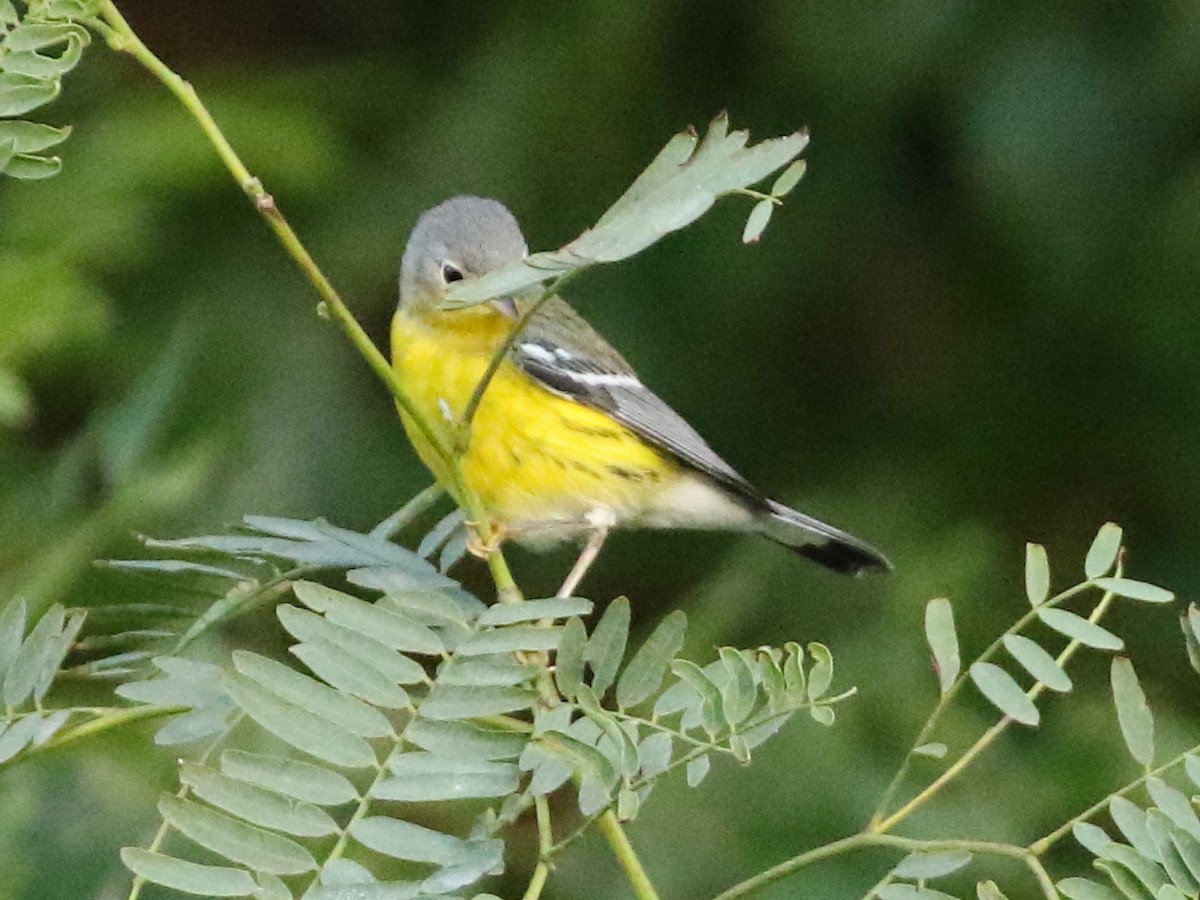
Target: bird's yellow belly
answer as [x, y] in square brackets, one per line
[533, 457]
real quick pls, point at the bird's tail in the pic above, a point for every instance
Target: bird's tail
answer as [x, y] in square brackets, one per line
[819, 542]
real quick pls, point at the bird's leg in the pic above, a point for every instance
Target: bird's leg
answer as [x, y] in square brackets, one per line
[476, 546]
[600, 520]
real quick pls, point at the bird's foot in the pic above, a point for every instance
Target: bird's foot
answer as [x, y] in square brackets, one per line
[481, 548]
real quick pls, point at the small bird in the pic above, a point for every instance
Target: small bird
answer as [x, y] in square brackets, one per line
[565, 440]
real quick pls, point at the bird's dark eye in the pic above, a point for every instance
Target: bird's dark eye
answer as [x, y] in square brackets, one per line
[451, 273]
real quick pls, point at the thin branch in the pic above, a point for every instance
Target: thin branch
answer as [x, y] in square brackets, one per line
[104, 719]
[502, 351]
[404, 516]
[122, 38]
[945, 699]
[909, 845]
[545, 845]
[643, 888]
[135, 889]
[1041, 845]
[988, 737]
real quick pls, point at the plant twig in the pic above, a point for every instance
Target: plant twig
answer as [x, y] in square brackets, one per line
[945, 699]
[643, 888]
[124, 39]
[510, 339]
[1042, 844]
[121, 37]
[910, 845]
[884, 824]
[104, 719]
[545, 844]
[404, 516]
[135, 889]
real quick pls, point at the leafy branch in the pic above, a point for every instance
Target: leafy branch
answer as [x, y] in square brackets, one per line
[424, 694]
[1139, 870]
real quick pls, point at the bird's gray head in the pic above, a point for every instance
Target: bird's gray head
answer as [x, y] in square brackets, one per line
[460, 238]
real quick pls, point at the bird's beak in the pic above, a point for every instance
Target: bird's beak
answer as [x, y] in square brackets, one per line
[506, 306]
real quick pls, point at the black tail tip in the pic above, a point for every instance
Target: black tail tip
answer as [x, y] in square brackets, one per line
[847, 559]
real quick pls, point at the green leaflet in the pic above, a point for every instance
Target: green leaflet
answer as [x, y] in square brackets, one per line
[1134, 590]
[1004, 693]
[256, 805]
[1037, 574]
[1091, 837]
[404, 840]
[18, 735]
[1082, 889]
[378, 623]
[1174, 805]
[1130, 819]
[1168, 852]
[711, 705]
[310, 627]
[465, 740]
[568, 661]
[1102, 555]
[351, 675]
[427, 777]
[820, 675]
[36, 653]
[12, 630]
[1133, 715]
[943, 641]
[679, 185]
[988, 890]
[299, 780]
[1037, 662]
[302, 729]
[697, 770]
[740, 692]
[757, 221]
[534, 610]
[236, 840]
[512, 639]
[310, 694]
[931, 864]
[464, 702]
[1128, 863]
[1080, 629]
[644, 674]
[606, 647]
[189, 877]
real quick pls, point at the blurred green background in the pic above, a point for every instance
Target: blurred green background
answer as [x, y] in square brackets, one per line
[973, 324]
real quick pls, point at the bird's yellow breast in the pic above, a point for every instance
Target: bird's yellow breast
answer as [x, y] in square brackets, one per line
[533, 456]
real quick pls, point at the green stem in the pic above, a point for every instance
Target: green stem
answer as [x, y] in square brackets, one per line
[896, 842]
[124, 39]
[135, 889]
[545, 845]
[880, 824]
[1041, 845]
[404, 516]
[121, 37]
[759, 195]
[952, 691]
[105, 720]
[618, 840]
[510, 339]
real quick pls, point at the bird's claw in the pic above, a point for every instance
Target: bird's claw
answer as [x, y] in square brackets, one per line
[479, 547]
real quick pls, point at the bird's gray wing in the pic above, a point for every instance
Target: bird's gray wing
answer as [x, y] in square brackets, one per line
[568, 357]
